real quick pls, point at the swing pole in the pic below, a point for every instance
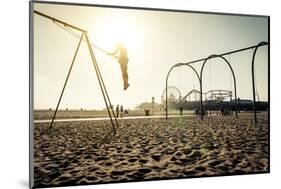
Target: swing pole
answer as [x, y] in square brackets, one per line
[59, 21]
[107, 96]
[106, 93]
[55, 20]
[102, 87]
[66, 80]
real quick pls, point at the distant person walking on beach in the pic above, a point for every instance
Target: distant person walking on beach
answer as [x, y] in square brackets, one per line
[181, 109]
[117, 110]
[121, 111]
[123, 61]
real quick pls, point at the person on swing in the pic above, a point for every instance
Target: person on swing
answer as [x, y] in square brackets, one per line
[123, 61]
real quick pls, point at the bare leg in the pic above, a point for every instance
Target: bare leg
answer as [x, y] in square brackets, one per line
[125, 75]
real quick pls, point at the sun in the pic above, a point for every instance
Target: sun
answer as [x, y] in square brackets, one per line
[113, 29]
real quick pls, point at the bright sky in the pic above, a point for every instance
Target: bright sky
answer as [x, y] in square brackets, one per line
[155, 40]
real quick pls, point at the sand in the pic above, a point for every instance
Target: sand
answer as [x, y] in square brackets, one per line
[88, 153]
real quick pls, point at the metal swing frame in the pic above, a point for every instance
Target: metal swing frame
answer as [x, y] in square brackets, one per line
[199, 77]
[109, 107]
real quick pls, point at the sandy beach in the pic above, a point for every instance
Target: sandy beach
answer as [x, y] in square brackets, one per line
[87, 152]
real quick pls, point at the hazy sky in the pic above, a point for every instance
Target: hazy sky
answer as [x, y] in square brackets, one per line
[155, 40]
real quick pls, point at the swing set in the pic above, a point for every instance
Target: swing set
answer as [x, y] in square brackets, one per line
[83, 37]
[200, 76]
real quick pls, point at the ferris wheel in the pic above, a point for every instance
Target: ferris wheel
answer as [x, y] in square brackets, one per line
[174, 94]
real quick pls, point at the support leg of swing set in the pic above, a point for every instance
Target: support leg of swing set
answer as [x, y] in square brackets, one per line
[253, 79]
[102, 85]
[66, 80]
[201, 100]
[105, 90]
[234, 80]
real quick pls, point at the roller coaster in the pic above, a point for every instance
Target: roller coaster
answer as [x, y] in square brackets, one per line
[213, 100]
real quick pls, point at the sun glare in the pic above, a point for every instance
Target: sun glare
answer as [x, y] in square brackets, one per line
[117, 29]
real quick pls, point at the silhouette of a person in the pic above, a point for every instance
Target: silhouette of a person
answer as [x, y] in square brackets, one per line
[117, 110]
[181, 109]
[121, 111]
[123, 61]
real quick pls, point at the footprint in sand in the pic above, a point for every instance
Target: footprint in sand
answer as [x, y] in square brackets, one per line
[65, 176]
[143, 161]
[200, 168]
[168, 151]
[92, 178]
[108, 164]
[186, 151]
[52, 176]
[178, 154]
[186, 160]
[93, 169]
[144, 170]
[88, 157]
[127, 151]
[156, 157]
[65, 164]
[117, 173]
[132, 160]
[173, 158]
[195, 154]
[101, 158]
[75, 161]
[189, 172]
[214, 162]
